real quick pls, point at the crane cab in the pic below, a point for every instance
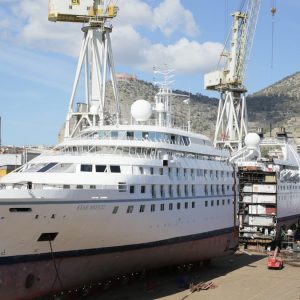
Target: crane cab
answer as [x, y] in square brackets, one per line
[213, 80]
[79, 11]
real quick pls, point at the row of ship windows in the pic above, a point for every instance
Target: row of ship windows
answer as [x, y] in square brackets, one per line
[160, 171]
[170, 206]
[289, 187]
[143, 136]
[163, 190]
[288, 197]
[172, 172]
[175, 190]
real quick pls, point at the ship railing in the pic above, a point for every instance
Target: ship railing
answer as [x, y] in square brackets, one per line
[271, 141]
[155, 155]
[46, 186]
[146, 152]
[125, 138]
[150, 122]
[140, 152]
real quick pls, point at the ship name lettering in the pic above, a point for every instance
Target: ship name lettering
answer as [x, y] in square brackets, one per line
[97, 206]
[91, 207]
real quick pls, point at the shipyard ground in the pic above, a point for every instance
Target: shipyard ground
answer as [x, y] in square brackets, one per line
[237, 277]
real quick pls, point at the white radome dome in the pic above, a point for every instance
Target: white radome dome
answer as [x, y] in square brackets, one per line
[252, 140]
[141, 110]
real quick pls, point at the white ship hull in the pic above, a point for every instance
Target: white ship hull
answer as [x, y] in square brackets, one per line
[93, 244]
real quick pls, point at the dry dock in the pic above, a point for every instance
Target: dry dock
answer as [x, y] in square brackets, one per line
[238, 277]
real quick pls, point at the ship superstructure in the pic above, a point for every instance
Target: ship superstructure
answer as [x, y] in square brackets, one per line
[114, 196]
[269, 188]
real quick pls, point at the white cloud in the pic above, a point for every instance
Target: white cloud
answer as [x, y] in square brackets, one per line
[171, 16]
[39, 33]
[134, 12]
[185, 56]
[129, 46]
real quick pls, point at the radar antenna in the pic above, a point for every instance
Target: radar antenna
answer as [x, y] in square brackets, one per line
[163, 79]
[95, 55]
[162, 98]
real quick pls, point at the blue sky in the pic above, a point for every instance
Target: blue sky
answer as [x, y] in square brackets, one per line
[38, 58]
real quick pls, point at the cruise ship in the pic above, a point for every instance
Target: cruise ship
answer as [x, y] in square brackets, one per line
[114, 196]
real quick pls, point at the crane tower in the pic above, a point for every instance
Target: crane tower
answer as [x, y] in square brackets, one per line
[95, 55]
[231, 126]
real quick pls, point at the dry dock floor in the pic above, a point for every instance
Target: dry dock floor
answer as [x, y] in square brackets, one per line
[237, 277]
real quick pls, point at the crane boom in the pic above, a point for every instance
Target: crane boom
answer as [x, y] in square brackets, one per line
[231, 126]
[242, 36]
[247, 38]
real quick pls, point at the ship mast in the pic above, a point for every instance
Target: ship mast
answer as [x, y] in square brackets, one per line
[163, 97]
[96, 59]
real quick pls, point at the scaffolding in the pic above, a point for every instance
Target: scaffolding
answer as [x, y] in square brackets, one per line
[257, 209]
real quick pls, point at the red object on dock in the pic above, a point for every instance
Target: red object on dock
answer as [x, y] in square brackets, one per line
[275, 262]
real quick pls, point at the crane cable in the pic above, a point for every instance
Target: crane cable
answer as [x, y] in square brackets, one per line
[273, 12]
[56, 269]
[226, 17]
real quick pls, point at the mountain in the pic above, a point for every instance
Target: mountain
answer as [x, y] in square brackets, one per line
[288, 86]
[277, 105]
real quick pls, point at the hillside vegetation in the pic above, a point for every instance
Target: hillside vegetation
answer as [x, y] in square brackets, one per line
[275, 106]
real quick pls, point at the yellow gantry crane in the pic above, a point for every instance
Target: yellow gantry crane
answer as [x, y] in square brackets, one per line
[231, 126]
[97, 58]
